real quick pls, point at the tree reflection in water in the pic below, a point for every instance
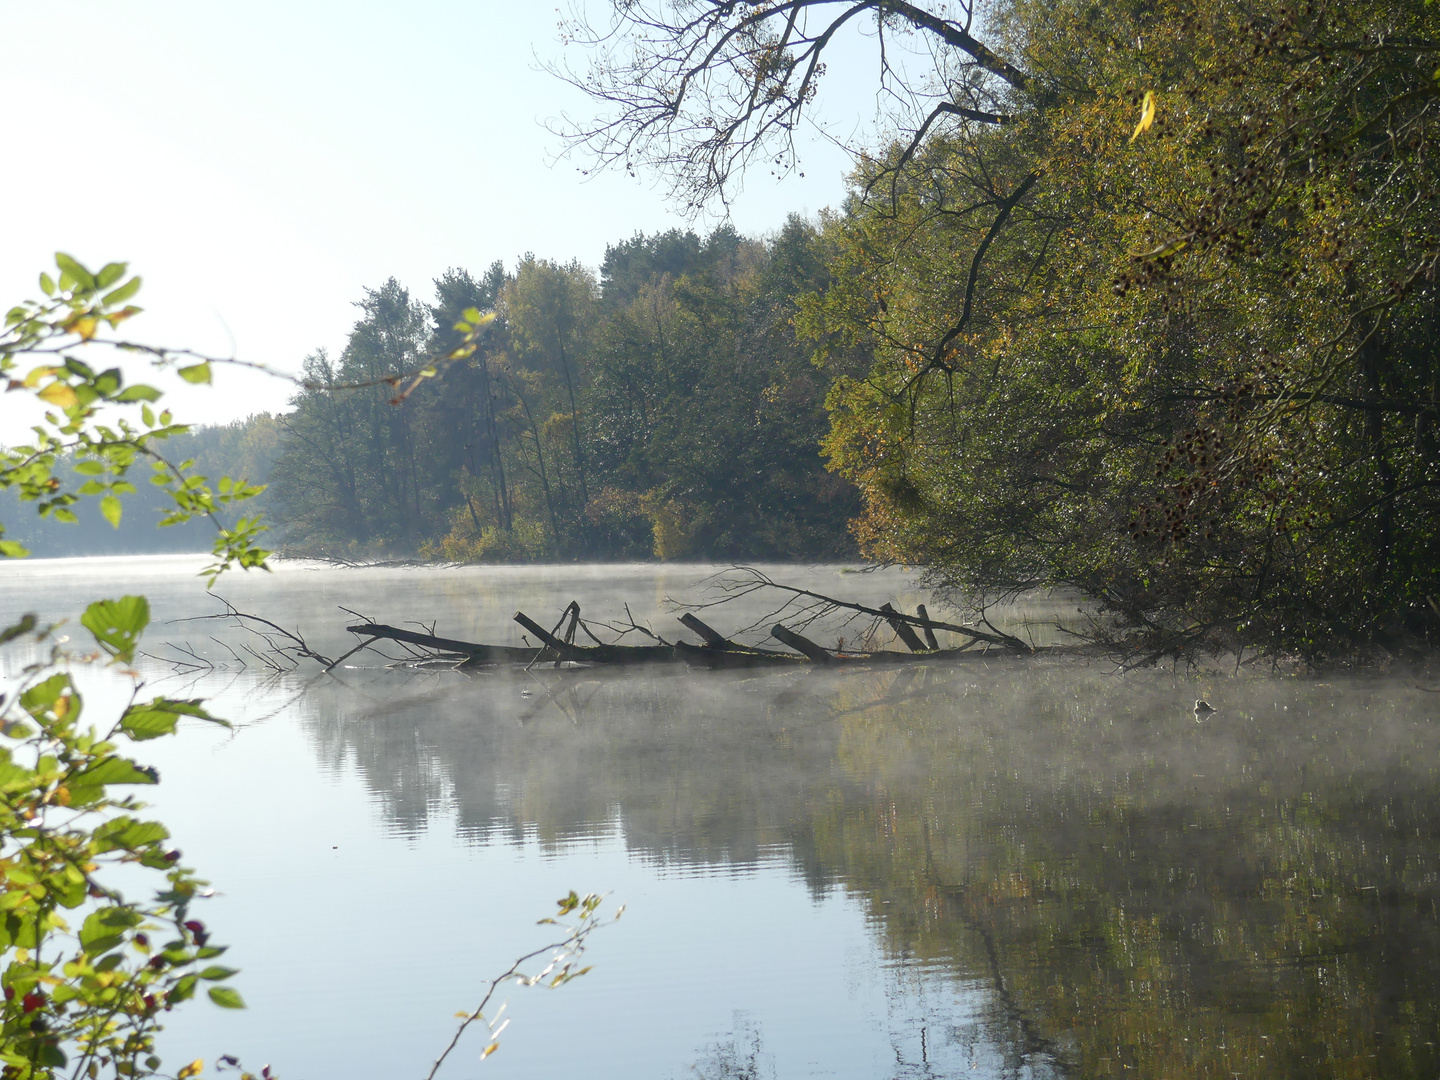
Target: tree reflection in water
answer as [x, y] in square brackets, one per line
[737, 1055]
[1140, 893]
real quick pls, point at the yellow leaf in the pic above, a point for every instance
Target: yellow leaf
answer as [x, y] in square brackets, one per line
[1164, 251]
[33, 379]
[85, 326]
[195, 1068]
[489, 1050]
[1147, 114]
[58, 393]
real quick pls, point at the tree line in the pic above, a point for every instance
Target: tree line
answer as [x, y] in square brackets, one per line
[666, 407]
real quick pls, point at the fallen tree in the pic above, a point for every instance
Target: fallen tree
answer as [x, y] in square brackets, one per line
[715, 650]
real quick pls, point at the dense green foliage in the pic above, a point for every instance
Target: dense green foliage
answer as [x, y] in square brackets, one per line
[1186, 365]
[666, 409]
[90, 974]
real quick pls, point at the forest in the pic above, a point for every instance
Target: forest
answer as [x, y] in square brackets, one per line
[666, 407]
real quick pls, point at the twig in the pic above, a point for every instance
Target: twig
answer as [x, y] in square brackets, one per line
[559, 970]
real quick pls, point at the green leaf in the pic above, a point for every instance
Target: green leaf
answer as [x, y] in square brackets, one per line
[196, 373]
[152, 719]
[108, 382]
[112, 508]
[143, 722]
[50, 1055]
[124, 832]
[123, 293]
[116, 770]
[82, 277]
[43, 695]
[109, 274]
[105, 929]
[12, 550]
[216, 972]
[47, 284]
[226, 997]
[139, 392]
[117, 624]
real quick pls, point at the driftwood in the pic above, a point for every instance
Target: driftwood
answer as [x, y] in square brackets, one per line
[712, 637]
[717, 651]
[903, 629]
[800, 644]
[737, 656]
[927, 626]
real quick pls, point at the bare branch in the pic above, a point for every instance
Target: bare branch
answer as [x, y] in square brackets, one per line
[702, 91]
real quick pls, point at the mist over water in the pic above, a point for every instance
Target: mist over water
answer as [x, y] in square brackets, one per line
[1006, 869]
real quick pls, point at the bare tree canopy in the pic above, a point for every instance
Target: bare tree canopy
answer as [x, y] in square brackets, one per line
[699, 91]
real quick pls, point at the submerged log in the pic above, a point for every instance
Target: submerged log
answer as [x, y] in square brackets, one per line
[929, 630]
[903, 629]
[800, 644]
[474, 652]
[737, 656]
[708, 634]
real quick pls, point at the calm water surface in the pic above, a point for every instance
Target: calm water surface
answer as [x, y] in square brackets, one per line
[1002, 870]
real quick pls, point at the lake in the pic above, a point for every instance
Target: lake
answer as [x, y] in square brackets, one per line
[1006, 869]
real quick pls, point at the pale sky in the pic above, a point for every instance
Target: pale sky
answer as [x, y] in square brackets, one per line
[260, 164]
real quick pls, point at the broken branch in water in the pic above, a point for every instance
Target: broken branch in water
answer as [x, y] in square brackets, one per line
[743, 581]
[281, 650]
[800, 644]
[284, 649]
